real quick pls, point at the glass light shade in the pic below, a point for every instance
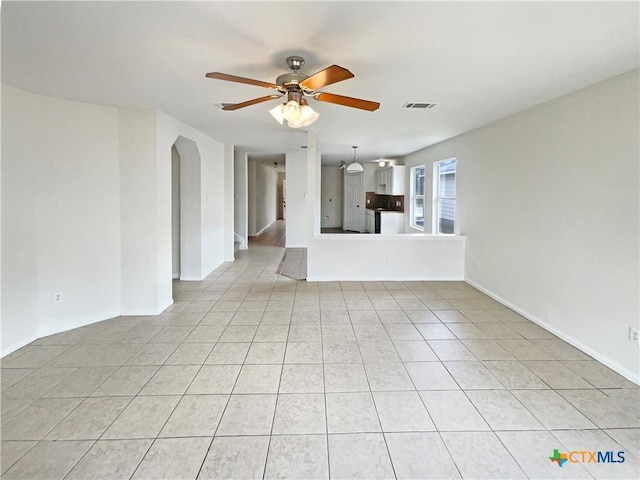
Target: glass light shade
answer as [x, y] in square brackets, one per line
[381, 163]
[355, 167]
[307, 116]
[277, 113]
[291, 110]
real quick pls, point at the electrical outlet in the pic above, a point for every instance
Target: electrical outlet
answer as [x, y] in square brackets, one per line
[57, 297]
[634, 336]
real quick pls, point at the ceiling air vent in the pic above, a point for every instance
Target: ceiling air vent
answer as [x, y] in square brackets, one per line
[418, 105]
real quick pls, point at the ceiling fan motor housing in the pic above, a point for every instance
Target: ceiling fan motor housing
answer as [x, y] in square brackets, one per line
[291, 81]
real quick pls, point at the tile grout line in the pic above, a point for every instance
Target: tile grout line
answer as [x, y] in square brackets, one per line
[175, 406]
[324, 390]
[223, 412]
[375, 407]
[275, 409]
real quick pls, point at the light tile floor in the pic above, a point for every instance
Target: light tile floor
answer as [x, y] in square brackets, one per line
[254, 375]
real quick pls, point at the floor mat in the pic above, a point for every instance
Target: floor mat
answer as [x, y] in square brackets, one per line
[294, 263]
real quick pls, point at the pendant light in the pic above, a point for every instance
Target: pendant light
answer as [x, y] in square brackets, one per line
[354, 167]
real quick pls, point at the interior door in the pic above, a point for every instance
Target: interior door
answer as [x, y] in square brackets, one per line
[353, 218]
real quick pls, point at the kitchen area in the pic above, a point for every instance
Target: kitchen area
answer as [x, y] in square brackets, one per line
[370, 201]
[354, 206]
[384, 211]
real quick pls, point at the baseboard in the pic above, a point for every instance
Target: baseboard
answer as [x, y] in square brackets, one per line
[18, 345]
[146, 311]
[47, 330]
[350, 278]
[191, 279]
[237, 238]
[264, 228]
[77, 323]
[140, 312]
[294, 245]
[82, 322]
[164, 306]
[613, 365]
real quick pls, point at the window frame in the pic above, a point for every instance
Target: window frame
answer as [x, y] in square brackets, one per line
[414, 196]
[435, 225]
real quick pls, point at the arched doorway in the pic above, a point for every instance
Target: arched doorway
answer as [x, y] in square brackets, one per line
[186, 221]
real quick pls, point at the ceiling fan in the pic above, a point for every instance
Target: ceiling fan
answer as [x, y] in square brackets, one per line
[296, 85]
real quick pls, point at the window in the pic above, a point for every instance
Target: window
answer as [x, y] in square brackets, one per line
[417, 197]
[444, 196]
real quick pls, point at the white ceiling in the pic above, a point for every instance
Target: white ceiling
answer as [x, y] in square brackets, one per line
[478, 61]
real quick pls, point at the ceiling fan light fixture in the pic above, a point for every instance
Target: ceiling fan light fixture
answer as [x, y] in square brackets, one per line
[291, 111]
[277, 113]
[307, 116]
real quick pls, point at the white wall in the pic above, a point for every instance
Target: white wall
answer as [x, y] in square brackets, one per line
[385, 257]
[60, 215]
[229, 209]
[138, 213]
[211, 199]
[251, 197]
[297, 215]
[262, 195]
[266, 196]
[240, 197]
[331, 197]
[549, 202]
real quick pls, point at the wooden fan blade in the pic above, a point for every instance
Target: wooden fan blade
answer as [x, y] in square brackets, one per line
[248, 103]
[329, 75]
[233, 78]
[347, 101]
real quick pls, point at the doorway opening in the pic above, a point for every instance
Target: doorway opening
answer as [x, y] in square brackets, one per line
[186, 221]
[175, 212]
[267, 200]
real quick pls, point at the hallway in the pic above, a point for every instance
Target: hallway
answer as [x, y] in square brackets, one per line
[274, 235]
[294, 260]
[250, 374]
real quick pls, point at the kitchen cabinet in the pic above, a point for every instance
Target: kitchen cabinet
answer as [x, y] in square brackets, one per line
[371, 221]
[391, 222]
[390, 180]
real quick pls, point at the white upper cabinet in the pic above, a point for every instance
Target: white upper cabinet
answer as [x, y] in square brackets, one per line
[390, 180]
